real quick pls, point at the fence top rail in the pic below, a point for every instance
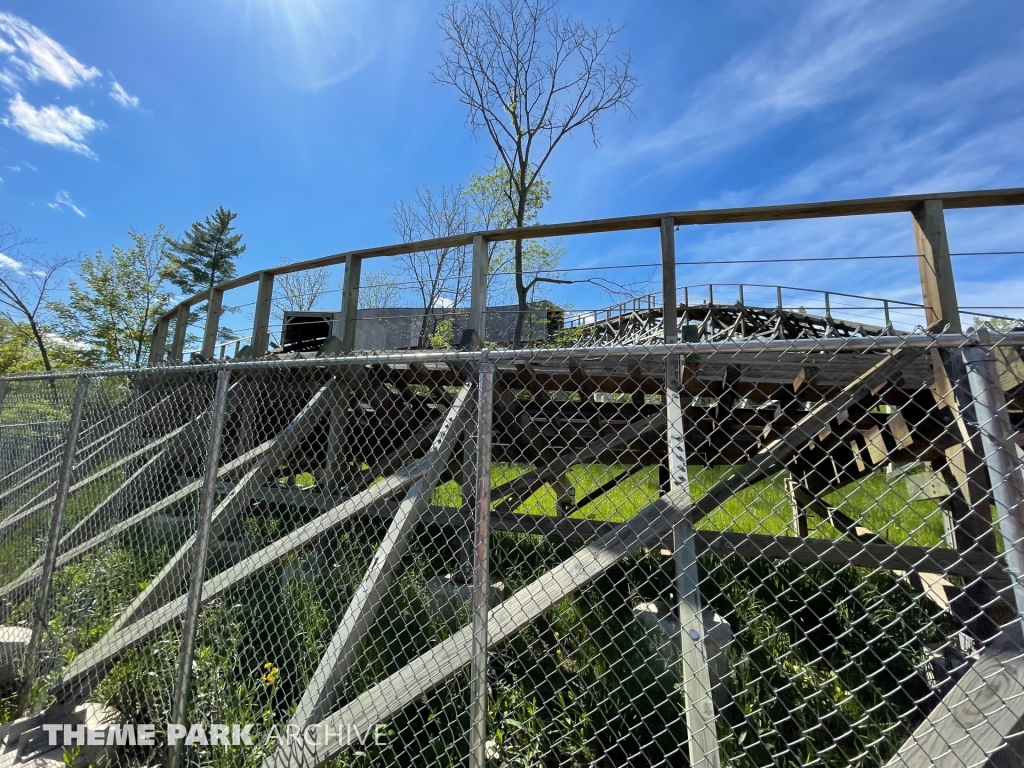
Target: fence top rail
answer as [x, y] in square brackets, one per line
[787, 212]
[753, 345]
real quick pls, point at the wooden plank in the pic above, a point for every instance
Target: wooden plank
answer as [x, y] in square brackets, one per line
[942, 312]
[787, 212]
[693, 657]
[177, 351]
[515, 492]
[261, 321]
[93, 449]
[651, 525]
[974, 721]
[322, 692]
[167, 582]
[16, 590]
[349, 304]
[670, 322]
[88, 668]
[478, 288]
[158, 342]
[213, 311]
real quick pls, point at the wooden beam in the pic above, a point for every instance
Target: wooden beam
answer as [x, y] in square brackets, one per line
[167, 582]
[349, 304]
[213, 311]
[670, 323]
[693, 657]
[974, 721]
[478, 289]
[158, 343]
[260, 340]
[788, 212]
[91, 453]
[180, 329]
[515, 492]
[12, 593]
[942, 313]
[88, 668]
[650, 525]
[322, 692]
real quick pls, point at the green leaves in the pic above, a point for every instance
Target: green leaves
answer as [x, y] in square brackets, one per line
[111, 313]
[206, 254]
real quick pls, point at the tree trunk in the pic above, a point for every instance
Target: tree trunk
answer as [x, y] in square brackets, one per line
[41, 344]
[521, 292]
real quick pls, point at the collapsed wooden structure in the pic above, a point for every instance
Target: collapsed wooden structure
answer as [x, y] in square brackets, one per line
[753, 391]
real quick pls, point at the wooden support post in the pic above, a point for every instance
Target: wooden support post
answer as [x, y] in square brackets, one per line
[168, 581]
[668, 279]
[481, 569]
[942, 313]
[214, 306]
[260, 340]
[88, 668]
[325, 685]
[349, 303]
[647, 527]
[72, 552]
[158, 342]
[41, 613]
[180, 330]
[478, 291]
[799, 511]
[179, 705]
[700, 711]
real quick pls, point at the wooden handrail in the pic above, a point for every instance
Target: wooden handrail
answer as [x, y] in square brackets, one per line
[787, 212]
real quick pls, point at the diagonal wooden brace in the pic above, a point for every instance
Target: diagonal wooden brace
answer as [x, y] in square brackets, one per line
[652, 524]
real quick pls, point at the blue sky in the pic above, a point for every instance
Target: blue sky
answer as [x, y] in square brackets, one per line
[310, 117]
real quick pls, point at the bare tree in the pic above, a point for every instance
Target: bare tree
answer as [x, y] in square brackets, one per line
[300, 291]
[528, 77]
[25, 285]
[440, 276]
[379, 289]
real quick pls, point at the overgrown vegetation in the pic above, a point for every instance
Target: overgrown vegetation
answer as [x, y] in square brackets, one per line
[825, 661]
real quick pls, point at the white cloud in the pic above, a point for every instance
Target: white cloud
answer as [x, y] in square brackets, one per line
[122, 97]
[795, 69]
[6, 262]
[63, 200]
[63, 127]
[39, 56]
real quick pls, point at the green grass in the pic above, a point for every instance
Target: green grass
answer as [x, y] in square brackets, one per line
[877, 502]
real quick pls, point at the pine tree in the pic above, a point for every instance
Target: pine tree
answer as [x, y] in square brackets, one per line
[206, 254]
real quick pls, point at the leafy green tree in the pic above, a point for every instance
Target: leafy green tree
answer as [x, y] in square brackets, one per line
[491, 210]
[528, 77]
[114, 308]
[206, 254]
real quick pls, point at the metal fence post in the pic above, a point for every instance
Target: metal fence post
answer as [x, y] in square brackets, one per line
[1000, 457]
[696, 678]
[179, 705]
[40, 614]
[481, 566]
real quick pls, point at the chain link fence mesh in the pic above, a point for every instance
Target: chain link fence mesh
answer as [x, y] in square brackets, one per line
[794, 553]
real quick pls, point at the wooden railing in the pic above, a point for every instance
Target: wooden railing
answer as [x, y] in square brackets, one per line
[938, 288]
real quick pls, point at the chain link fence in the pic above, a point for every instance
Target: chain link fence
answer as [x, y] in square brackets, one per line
[749, 553]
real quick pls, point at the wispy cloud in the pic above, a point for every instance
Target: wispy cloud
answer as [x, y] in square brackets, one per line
[64, 127]
[63, 200]
[39, 56]
[6, 262]
[122, 97]
[795, 69]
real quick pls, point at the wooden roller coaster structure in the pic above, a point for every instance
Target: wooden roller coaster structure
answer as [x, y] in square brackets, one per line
[558, 408]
